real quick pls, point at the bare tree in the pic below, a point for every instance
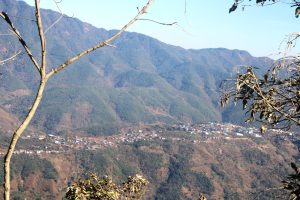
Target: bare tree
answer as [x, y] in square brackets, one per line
[44, 76]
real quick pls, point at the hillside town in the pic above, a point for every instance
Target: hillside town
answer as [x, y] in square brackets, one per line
[194, 133]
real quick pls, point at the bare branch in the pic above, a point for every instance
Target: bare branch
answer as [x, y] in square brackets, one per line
[2, 62]
[157, 22]
[22, 41]
[6, 34]
[166, 24]
[110, 45]
[102, 44]
[58, 19]
[42, 37]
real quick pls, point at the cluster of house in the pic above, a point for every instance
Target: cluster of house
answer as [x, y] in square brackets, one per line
[51, 144]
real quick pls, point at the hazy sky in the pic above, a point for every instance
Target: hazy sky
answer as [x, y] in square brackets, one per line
[205, 24]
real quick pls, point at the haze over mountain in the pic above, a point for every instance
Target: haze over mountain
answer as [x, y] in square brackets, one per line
[143, 80]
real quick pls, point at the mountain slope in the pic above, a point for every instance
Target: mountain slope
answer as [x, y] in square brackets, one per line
[178, 164]
[141, 81]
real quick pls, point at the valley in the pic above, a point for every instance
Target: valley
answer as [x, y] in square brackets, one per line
[144, 107]
[233, 161]
[195, 133]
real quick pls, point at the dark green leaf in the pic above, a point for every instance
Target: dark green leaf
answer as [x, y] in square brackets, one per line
[233, 7]
[297, 12]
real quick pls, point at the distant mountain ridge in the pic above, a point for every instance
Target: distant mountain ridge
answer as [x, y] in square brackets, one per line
[141, 81]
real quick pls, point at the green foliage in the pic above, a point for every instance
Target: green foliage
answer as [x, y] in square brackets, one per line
[180, 174]
[137, 79]
[105, 129]
[57, 101]
[27, 165]
[204, 183]
[129, 109]
[256, 156]
[150, 163]
[92, 161]
[229, 195]
[105, 162]
[215, 168]
[14, 83]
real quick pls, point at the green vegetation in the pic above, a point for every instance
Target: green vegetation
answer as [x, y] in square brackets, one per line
[157, 84]
[180, 174]
[229, 195]
[216, 169]
[129, 108]
[14, 83]
[136, 78]
[256, 156]
[149, 163]
[168, 165]
[106, 162]
[130, 84]
[1, 170]
[204, 183]
[105, 129]
[25, 165]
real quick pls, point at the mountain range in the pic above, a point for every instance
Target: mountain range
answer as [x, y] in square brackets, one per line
[140, 88]
[141, 81]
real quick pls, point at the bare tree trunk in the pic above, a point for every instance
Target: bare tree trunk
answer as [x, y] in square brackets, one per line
[44, 76]
[16, 136]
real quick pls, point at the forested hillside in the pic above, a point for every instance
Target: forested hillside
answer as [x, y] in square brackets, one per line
[139, 108]
[178, 164]
[142, 80]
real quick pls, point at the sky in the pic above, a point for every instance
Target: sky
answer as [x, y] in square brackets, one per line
[201, 23]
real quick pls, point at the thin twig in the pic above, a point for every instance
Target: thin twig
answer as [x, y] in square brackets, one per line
[157, 22]
[110, 45]
[102, 44]
[2, 62]
[58, 19]
[6, 34]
